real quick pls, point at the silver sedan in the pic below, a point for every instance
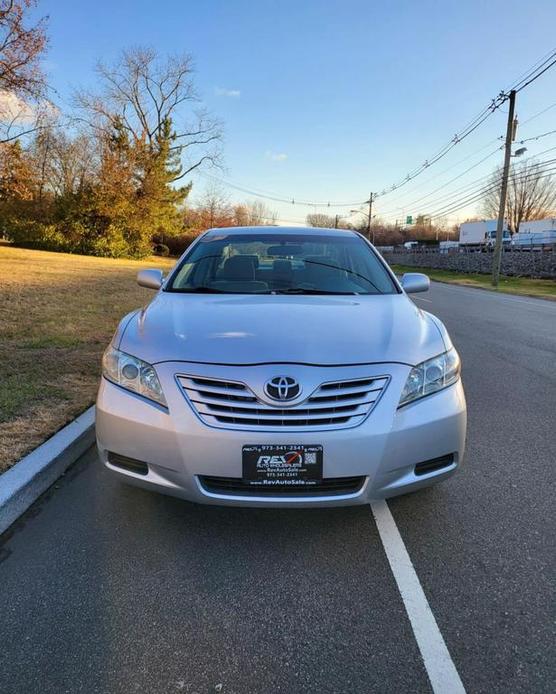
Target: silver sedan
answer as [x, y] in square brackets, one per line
[281, 367]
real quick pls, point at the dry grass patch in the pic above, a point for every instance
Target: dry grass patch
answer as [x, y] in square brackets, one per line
[57, 314]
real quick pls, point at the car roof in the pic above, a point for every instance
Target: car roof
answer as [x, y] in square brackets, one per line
[279, 230]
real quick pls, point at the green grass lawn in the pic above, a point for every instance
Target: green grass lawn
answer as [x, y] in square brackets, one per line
[57, 314]
[545, 289]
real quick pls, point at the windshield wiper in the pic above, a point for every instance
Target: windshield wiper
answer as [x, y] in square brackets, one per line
[345, 269]
[303, 290]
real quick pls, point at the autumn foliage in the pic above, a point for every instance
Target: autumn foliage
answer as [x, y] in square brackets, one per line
[21, 46]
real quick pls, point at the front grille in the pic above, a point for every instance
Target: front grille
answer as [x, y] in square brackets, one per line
[332, 486]
[232, 404]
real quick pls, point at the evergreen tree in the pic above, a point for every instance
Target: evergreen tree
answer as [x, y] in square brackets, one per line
[159, 202]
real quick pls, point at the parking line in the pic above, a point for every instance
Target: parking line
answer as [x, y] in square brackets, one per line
[442, 673]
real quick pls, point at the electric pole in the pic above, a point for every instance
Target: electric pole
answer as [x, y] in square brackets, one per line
[369, 220]
[510, 134]
[336, 221]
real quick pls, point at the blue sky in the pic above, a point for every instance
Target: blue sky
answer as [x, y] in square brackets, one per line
[327, 100]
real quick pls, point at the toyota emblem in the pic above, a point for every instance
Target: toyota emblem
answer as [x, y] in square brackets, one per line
[282, 388]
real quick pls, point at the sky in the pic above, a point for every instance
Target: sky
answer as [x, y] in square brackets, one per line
[327, 100]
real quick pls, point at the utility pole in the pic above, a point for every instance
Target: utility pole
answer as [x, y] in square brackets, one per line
[336, 221]
[370, 216]
[510, 134]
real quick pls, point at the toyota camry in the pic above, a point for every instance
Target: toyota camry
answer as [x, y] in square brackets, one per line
[281, 367]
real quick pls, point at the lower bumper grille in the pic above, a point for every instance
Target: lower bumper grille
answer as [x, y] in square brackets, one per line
[434, 464]
[332, 486]
[130, 464]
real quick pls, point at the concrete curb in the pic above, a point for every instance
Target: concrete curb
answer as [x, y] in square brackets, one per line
[22, 484]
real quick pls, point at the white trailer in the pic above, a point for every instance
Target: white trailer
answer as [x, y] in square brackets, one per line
[536, 234]
[483, 233]
[447, 246]
[538, 239]
[538, 226]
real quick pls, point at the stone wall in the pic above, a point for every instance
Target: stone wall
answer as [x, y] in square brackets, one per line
[540, 264]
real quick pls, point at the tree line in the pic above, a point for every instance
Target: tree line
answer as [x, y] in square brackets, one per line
[111, 177]
[387, 233]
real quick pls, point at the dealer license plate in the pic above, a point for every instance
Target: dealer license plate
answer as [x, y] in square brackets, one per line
[282, 465]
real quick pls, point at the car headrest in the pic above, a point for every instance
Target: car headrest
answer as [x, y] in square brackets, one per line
[254, 257]
[238, 267]
[282, 267]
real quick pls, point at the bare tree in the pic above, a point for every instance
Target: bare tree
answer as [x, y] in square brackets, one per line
[213, 209]
[21, 47]
[41, 151]
[317, 219]
[143, 93]
[254, 214]
[531, 194]
[64, 163]
[22, 81]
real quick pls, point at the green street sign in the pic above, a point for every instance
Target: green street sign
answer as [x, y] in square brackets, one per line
[409, 219]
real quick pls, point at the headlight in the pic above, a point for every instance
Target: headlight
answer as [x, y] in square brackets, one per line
[430, 376]
[133, 374]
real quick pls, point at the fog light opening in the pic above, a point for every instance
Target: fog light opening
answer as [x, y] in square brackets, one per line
[129, 464]
[434, 464]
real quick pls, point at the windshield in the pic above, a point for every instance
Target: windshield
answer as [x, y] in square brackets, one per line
[282, 263]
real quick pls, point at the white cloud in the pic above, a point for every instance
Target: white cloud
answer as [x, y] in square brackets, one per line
[276, 156]
[12, 108]
[17, 112]
[221, 91]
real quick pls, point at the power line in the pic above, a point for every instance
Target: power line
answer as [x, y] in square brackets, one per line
[449, 168]
[475, 193]
[277, 198]
[536, 76]
[414, 202]
[458, 191]
[530, 76]
[536, 65]
[455, 208]
[538, 69]
[469, 156]
[459, 137]
[536, 137]
[476, 187]
[540, 113]
[478, 194]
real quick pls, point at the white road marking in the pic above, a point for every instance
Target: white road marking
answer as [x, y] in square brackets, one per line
[442, 673]
[421, 298]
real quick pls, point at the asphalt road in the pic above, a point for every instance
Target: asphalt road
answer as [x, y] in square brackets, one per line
[107, 588]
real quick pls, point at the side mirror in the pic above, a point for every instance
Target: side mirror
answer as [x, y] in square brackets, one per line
[152, 279]
[413, 282]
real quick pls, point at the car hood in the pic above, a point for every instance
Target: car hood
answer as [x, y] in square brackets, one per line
[240, 329]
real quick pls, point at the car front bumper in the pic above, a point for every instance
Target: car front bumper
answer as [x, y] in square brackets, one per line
[179, 448]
